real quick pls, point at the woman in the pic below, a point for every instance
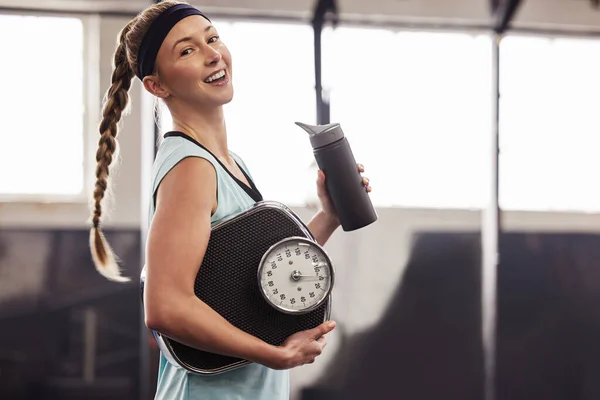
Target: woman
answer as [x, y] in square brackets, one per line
[197, 182]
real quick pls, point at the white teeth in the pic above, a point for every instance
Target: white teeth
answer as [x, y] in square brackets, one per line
[216, 76]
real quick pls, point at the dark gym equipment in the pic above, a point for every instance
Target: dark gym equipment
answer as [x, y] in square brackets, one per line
[503, 12]
[325, 11]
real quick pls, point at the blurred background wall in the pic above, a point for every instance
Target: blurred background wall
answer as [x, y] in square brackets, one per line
[411, 83]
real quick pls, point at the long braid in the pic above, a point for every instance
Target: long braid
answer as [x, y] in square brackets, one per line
[117, 101]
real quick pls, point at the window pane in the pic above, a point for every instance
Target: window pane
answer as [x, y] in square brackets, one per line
[42, 105]
[273, 78]
[416, 107]
[550, 130]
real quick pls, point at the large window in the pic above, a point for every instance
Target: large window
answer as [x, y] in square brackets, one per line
[273, 77]
[42, 151]
[416, 107]
[417, 110]
[550, 130]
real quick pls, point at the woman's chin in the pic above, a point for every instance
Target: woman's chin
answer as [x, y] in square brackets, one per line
[212, 97]
[224, 98]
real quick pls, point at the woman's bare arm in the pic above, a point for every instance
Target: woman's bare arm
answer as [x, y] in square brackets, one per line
[177, 241]
[322, 226]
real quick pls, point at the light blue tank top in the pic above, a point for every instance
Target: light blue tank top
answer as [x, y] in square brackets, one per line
[253, 381]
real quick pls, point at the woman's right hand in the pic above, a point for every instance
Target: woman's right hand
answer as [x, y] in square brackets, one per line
[303, 347]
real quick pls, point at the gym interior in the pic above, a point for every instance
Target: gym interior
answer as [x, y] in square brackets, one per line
[476, 122]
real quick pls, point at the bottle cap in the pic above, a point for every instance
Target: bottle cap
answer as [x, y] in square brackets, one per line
[322, 135]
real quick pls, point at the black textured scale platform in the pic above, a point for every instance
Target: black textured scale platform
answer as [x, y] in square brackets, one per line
[227, 281]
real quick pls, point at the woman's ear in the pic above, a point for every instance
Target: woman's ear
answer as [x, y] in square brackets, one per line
[153, 85]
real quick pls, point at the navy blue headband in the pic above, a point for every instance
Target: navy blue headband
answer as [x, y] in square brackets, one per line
[158, 31]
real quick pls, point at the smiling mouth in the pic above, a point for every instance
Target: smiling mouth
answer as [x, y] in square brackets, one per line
[219, 76]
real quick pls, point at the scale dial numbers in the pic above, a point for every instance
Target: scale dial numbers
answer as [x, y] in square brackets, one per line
[296, 276]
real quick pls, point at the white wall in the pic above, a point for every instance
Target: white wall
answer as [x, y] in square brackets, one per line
[384, 245]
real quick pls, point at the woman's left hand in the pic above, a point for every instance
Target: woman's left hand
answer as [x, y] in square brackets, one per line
[326, 203]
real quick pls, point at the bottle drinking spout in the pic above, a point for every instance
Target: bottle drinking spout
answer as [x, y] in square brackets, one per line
[322, 135]
[316, 129]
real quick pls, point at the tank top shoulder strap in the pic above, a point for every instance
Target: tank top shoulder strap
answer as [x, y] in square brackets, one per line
[251, 190]
[171, 152]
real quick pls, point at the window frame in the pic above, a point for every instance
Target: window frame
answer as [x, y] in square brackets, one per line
[91, 111]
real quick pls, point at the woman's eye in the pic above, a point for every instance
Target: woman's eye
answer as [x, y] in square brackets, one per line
[186, 52]
[213, 39]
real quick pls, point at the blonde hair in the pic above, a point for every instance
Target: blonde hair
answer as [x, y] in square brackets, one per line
[116, 104]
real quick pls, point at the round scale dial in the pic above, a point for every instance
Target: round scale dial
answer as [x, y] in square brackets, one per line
[296, 275]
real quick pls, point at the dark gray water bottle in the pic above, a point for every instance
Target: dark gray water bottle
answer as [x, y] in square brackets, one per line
[342, 178]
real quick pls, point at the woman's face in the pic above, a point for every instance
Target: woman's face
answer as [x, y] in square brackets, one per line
[194, 66]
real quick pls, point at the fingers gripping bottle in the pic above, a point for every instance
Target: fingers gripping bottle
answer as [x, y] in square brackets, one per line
[343, 180]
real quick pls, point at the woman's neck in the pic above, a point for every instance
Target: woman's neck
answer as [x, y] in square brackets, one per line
[208, 128]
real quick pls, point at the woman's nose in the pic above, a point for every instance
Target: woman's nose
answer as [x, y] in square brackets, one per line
[212, 56]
